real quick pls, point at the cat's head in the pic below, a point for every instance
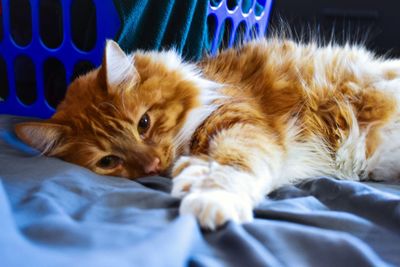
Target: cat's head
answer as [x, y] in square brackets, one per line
[130, 117]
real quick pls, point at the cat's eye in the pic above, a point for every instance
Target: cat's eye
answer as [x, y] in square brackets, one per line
[144, 124]
[109, 162]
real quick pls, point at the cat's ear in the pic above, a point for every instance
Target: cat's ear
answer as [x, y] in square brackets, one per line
[118, 69]
[41, 135]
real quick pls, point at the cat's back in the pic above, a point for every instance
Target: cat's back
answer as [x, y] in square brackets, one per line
[277, 62]
[286, 74]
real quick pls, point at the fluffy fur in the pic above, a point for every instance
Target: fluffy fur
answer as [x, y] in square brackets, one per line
[231, 128]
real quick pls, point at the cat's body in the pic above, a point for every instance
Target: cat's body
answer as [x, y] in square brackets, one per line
[234, 127]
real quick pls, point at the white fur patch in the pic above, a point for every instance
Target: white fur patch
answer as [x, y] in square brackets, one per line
[305, 159]
[169, 58]
[351, 161]
[384, 164]
[194, 119]
[313, 158]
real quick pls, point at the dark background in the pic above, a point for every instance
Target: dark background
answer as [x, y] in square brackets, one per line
[375, 22]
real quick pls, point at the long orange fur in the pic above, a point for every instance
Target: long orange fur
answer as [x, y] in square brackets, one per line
[278, 111]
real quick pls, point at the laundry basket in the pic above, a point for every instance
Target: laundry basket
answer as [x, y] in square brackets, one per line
[45, 44]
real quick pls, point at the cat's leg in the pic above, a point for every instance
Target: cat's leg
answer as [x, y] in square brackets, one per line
[242, 165]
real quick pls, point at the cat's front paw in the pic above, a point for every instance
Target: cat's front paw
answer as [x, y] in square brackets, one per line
[215, 207]
[188, 173]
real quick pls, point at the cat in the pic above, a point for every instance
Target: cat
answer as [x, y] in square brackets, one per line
[230, 128]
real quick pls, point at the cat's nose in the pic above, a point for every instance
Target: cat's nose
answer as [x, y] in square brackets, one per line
[153, 167]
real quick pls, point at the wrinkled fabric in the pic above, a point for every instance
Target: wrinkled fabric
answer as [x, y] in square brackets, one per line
[57, 214]
[168, 24]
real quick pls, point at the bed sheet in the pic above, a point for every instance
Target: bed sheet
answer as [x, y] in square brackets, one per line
[57, 214]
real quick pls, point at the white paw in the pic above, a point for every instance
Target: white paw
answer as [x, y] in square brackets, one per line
[215, 207]
[191, 175]
[190, 178]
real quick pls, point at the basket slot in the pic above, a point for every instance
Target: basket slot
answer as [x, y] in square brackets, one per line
[232, 4]
[21, 21]
[3, 80]
[215, 3]
[240, 34]
[25, 79]
[247, 6]
[225, 34]
[254, 31]
[212, 26]
[51, 25]
[83, 24]
[1, 22]
[55, 81]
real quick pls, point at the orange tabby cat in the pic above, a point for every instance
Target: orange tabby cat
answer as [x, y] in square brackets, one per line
[233, 127]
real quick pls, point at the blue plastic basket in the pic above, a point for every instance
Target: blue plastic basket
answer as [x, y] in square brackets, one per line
[30, 97]
[234, 21]
[37, 62]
